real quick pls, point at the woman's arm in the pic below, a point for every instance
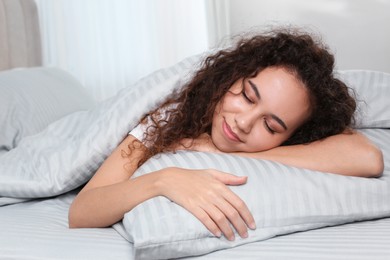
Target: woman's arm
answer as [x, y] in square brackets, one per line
[111, 193]
[105, 198]
[346, 154]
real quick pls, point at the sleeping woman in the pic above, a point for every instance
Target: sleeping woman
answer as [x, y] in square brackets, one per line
[273, 96]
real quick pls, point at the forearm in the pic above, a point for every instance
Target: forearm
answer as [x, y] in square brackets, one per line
[202, 192]
[346, 154]
[104, 206]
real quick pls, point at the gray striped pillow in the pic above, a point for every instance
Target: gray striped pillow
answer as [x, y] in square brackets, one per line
[282, 199]
[372, 89]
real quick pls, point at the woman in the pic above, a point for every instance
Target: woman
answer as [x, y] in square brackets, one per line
[273, 96]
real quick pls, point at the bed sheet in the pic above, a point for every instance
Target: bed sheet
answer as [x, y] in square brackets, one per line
[38, 230]
[367, 240]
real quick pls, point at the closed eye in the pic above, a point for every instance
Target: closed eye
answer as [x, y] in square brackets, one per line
[245, 95]
[268, 128]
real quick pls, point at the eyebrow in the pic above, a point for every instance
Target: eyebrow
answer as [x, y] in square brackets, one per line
[257, 93]
[254, 87]
[280, 121]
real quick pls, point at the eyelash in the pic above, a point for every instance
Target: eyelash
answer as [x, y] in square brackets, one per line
[269, 129]
[245, 95]
[266, 125]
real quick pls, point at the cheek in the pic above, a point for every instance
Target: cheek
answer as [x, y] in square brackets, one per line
[261, 140]
[231, 103]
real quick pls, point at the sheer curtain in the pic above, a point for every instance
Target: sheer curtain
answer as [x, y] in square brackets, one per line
[109, 44]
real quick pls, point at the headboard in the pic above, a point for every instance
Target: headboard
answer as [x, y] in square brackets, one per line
[20, 42]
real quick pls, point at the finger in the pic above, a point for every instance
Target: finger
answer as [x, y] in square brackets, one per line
[234, 218]
[242, 209]
[207, 221]
[232, 198]
[229, 179]
[220, 220]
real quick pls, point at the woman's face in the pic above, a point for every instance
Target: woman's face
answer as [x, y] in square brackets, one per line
[260, 113]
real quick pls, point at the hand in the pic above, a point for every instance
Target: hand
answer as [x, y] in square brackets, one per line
[204, 193]
[201, 144]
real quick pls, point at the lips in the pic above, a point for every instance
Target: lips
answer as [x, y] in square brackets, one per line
[229, 133]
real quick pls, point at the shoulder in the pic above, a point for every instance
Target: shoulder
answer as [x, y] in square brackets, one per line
[139, 131]
[161, 114]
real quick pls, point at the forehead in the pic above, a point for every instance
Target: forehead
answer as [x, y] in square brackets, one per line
[283, 94]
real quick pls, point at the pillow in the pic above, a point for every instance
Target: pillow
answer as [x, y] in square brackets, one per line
[282, 199]
[372, 89]
[32, 98]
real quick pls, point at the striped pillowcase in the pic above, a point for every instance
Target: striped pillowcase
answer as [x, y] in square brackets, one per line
[372, 90]
[282, 199]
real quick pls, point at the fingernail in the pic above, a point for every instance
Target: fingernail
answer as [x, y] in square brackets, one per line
[252, 225]
[245, 235]
[218, 234]
[231, 238]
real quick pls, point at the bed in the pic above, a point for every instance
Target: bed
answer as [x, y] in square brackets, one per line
[54, 136]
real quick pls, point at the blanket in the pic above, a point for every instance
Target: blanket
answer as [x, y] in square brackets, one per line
[67, 153]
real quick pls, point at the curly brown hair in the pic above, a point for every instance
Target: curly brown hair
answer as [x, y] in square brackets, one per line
[300, 53]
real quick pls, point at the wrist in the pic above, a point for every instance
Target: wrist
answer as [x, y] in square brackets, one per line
[162, 180]
[146, 186]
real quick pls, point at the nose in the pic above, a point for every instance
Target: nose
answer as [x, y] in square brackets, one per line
[246, 120]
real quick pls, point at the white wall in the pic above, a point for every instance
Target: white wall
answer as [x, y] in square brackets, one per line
[357, 31]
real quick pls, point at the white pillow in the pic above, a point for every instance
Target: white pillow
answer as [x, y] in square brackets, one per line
[282, 199]
[32, 98]
[372, 89]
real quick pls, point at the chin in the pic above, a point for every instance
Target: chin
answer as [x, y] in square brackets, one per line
[227, 149]
[223, 148]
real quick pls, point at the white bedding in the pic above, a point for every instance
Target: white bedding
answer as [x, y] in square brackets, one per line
[282, 199]
[67, 153]
[38, 230]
